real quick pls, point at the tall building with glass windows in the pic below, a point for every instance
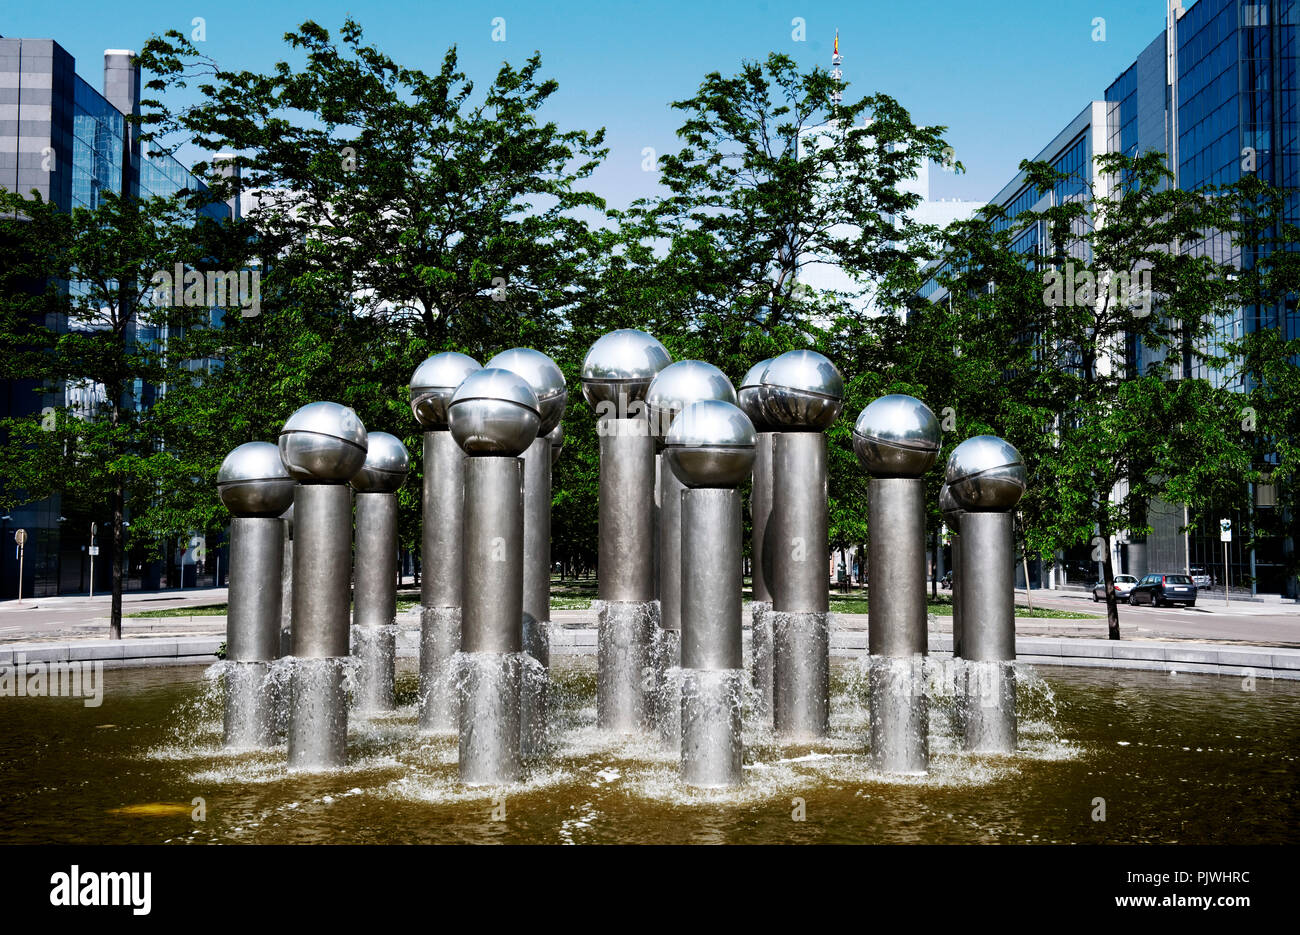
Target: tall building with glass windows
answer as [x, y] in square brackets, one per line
[1216, 91]
[71, 143]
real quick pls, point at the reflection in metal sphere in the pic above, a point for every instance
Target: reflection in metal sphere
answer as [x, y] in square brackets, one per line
[622, 364]
[801, 392]
[543, 375]
[949, 508]
[986, 475]
[897, 436]
[433, 384]
[711, 444]
[324, 443]
[680, 384]
[494, 412]
[556, 438]
[253, 481]
[387, 462]
[750, 397]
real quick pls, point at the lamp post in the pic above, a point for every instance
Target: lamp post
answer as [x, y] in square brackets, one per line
[374, 601]
[675, 387]
[710, 448]
[546, 380]
[494, 416]
[987, 479]
[432, 386]
[323, 445]
[254, 485]
[802, 394]
[896, 439]
[749, 398]
[616, 374]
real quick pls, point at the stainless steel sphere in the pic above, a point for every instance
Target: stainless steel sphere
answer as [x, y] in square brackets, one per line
[801, 392]
[897, 436]
[494, 412]
[950, 509]
[556, 438]
[433, 384]
[711, 444]
[680, 384]
[986, 475]
[323, 442]
[543, 375]
[387, 462]
[622, 364]
[253, 481]
[750, 396]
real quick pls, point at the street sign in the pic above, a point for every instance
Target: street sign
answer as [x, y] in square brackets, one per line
[20, 536]
[1225, 530]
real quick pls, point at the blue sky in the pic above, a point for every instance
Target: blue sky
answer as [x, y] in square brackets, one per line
[1004, 77]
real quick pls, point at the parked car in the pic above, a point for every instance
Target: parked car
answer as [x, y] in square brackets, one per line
[1201, 577]
[1159, 590]
[1123, 584]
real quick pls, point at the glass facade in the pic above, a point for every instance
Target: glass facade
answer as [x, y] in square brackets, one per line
[98, 139]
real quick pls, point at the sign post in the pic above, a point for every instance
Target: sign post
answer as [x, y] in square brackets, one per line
[20, 537]
[1225, 536]
[94, 550]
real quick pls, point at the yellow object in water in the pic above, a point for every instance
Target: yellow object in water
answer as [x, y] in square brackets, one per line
[152, 809]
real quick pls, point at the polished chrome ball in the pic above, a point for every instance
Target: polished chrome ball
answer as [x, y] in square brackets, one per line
[252, 481]
[680, 384]
[494, 412]
[387, 462]
[986, 475]
[619, 367]
[711, 444]
[950, 509]
[801, 392]
[750, 396]
[543, 375]
[323, 442]
[556, 438]
[433, 384]
[897, 436]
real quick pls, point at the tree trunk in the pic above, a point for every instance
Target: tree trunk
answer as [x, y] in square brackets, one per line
[115, 615]
[934, 569]
[1108, 580]
[1024, 558]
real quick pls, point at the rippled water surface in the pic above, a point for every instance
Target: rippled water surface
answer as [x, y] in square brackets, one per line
[1181, 758]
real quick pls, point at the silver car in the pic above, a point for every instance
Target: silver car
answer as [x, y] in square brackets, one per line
[1123, 584]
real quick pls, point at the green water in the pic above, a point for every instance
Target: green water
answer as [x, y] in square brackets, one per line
[1184, 758]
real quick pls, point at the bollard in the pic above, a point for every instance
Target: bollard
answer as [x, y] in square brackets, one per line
[675, 387]
[546, 380]
[749, 398]
[710, 448]
[374, 601]
[987, 479]
[494, 416]
[801, 394]
[322, 445]
[615, 377]
[432, 386]
[255, 487]
[896, 438]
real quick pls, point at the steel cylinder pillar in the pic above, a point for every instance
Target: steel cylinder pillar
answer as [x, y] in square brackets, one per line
[441, 586]
[374, 615]
[760, 505]
[536, 595]
[988, 642]
[252, 630]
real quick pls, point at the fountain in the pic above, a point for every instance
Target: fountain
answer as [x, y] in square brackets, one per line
[676, 386]
[286, 585]
[897, 440]
[494, 416]
[323, 445]
[750, 400]
[546, 380]
[952, 517]
[710, 449]
[615, 377]
[802, 395]
[374, 602]
[255, 487]
[432, 386]
[986, 477]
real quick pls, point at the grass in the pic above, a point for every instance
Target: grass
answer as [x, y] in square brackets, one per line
[206, 610]
[855, 602]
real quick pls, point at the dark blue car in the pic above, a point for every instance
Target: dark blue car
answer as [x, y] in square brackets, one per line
[1159, 590]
